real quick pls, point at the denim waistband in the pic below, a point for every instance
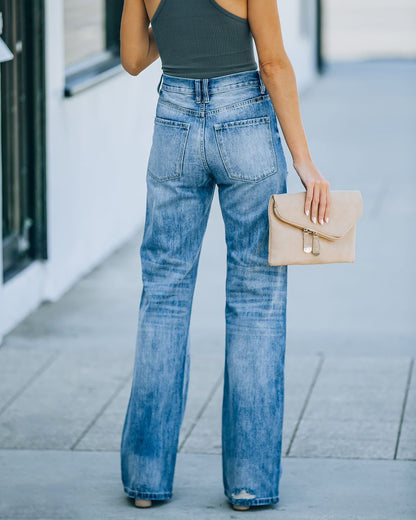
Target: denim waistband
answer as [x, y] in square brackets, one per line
[202, 87]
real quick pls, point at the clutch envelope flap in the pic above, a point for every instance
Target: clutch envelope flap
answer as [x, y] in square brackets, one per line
[346, 208]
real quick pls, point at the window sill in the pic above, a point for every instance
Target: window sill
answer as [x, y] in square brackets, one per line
[91, 72]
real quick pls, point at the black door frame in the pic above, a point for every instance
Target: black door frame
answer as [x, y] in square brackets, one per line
[31, 131]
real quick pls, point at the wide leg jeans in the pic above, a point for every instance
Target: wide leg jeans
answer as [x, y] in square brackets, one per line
[209, 132]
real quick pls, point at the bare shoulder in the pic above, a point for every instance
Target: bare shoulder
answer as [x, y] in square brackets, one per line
[237, 7]
[264, 20]
[151, 6]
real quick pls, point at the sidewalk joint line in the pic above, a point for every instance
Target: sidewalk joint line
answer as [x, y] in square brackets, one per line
[406, 394]
[292, 457]
[305, 404]
[202, 410]
[102, 410]
[31, 380]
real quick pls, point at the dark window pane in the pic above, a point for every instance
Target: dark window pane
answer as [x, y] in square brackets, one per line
[85, 29]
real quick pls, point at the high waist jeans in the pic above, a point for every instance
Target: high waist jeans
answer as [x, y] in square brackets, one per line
[214, 131]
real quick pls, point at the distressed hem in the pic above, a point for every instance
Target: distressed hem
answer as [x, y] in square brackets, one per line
[164, 495]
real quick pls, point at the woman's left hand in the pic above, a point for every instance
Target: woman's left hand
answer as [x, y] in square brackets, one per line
[318, 196]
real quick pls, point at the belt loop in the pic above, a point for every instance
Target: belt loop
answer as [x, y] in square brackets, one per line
[159, 84]
[197, 83]
[205, 90]
[262, 86]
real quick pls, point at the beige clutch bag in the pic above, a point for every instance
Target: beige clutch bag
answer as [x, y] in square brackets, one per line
[295, 239]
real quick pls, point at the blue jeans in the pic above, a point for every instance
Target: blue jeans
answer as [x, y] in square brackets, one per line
[214, 131]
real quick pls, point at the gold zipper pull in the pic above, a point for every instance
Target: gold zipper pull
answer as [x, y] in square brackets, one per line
[307, 240]
[315, 244]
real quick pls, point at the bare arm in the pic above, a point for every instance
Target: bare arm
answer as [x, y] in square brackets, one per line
[137, 44]
[278, 76]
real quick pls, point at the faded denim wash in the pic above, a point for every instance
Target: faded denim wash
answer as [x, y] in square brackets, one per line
[213, 131]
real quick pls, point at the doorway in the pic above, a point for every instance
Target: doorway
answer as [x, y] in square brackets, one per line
[23, 165]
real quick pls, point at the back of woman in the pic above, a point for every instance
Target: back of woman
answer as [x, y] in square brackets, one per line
[216, 125]
[200, 39]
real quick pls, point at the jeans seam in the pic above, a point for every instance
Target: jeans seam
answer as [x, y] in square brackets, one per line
[238, 104]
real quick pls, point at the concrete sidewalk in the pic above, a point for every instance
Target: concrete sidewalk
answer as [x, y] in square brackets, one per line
[350, 421]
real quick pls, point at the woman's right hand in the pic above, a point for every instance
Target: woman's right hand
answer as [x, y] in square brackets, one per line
[318, 196]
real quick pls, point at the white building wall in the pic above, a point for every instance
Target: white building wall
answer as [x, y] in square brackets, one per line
[374, 29]
[298, 20]
[97, 148]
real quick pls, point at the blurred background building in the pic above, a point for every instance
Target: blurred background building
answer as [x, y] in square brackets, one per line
[76, 128]
[365, 29]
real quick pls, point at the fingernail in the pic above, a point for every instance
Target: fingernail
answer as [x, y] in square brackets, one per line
[314, 220]
[321, 221]
[327, 220]
[307, 212]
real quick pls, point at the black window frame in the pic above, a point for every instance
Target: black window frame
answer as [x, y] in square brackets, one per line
[103, 65]
[23, 95]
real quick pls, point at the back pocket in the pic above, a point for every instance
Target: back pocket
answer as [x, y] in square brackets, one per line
[168, 148]
[246, 148]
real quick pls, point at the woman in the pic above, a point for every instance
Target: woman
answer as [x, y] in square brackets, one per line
[215, 125]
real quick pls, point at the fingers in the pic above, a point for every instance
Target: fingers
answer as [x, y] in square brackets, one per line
[308, 199]
[322, 206]
[315, 202]
[318, 201]
[328, 204]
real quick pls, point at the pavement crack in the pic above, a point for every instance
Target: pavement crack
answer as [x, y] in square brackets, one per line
[406, 394]
[202, 410]
[305, 404]
[102, 410]
[31, 380]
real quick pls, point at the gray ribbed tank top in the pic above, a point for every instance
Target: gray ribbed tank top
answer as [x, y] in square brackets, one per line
[201, 39]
